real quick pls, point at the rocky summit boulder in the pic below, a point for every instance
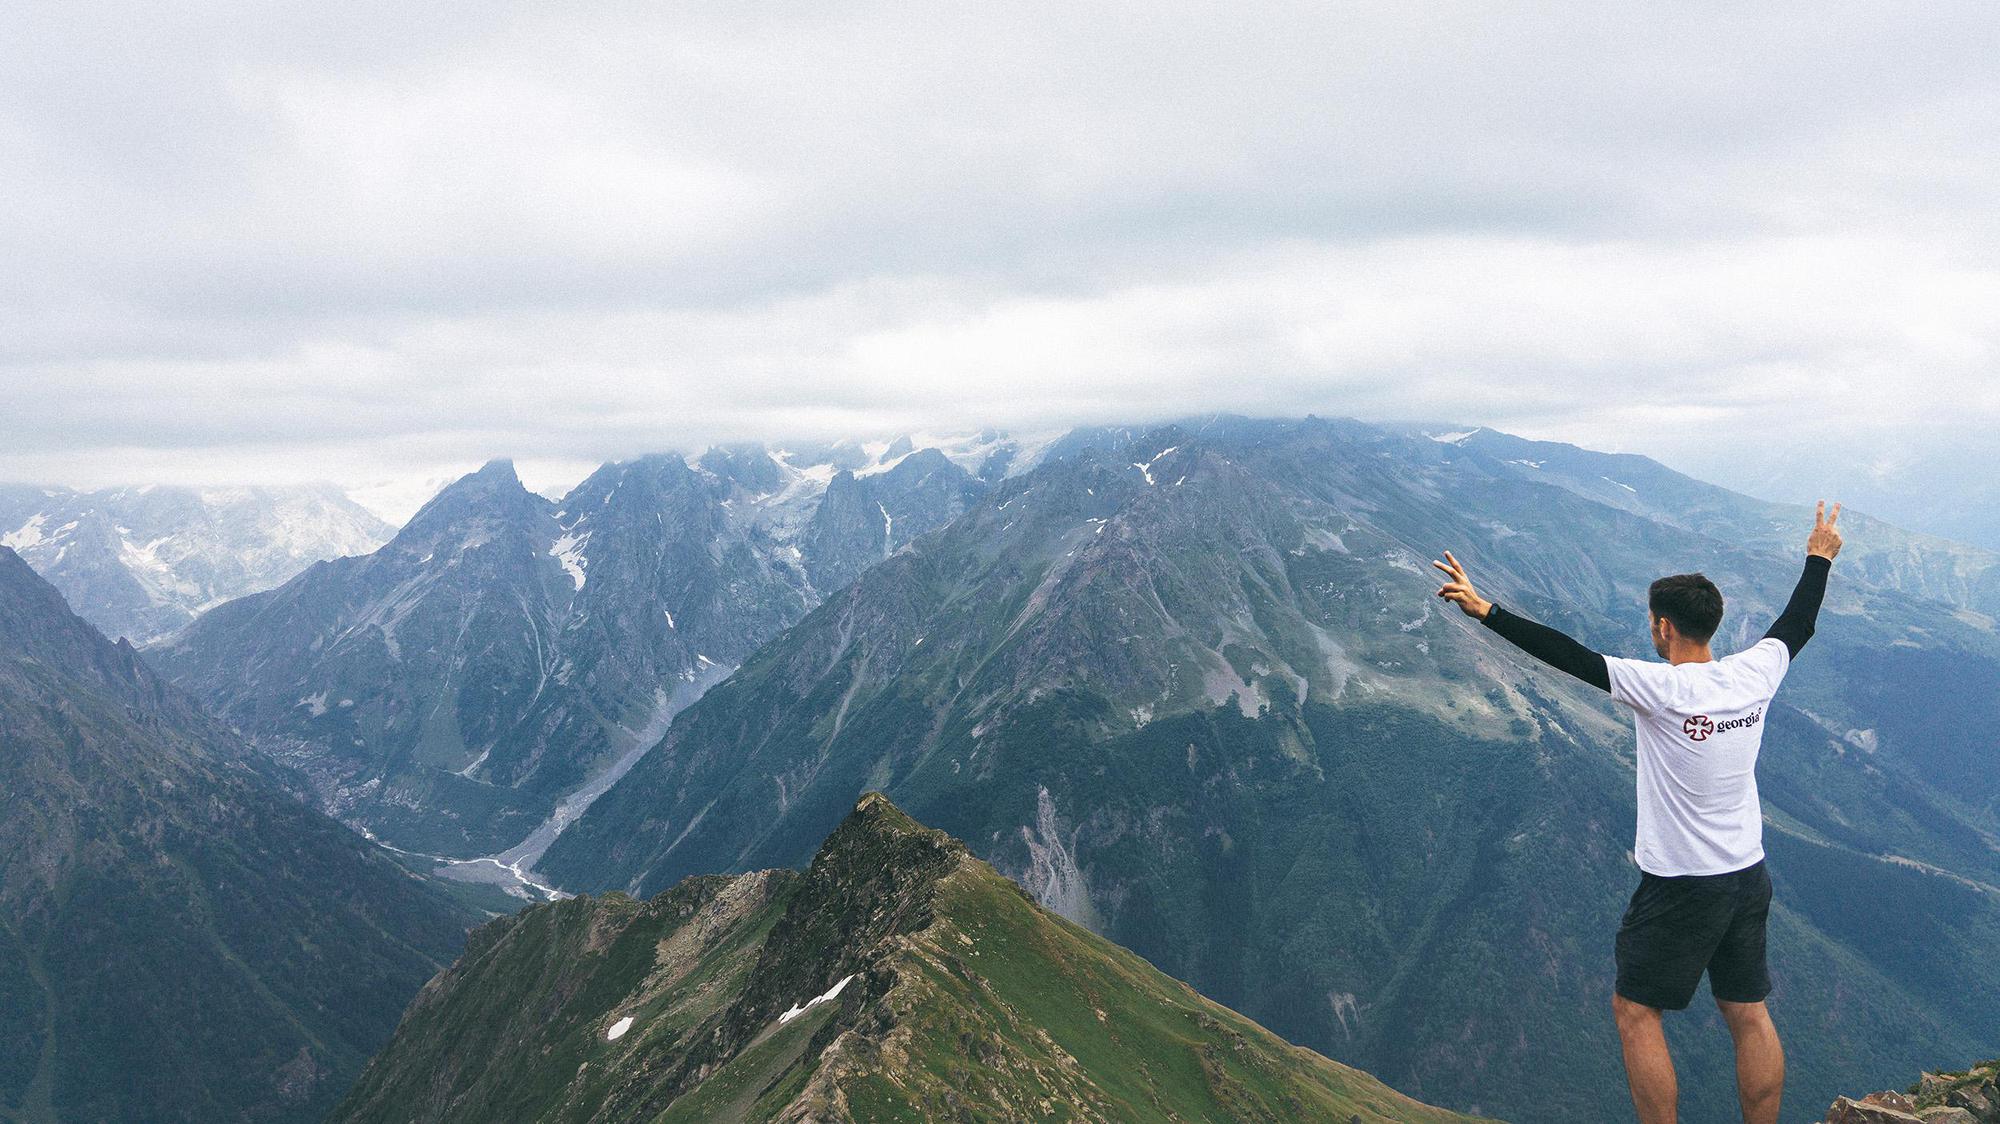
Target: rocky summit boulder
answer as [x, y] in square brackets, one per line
[1971, 1097]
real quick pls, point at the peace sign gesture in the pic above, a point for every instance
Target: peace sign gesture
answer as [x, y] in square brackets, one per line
[1825, 538]
[1459, 588]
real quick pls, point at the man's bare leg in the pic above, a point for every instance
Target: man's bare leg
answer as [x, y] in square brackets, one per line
[1648, 1066]
[1760, 1060]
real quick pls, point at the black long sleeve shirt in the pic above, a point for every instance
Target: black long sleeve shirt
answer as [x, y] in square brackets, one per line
[1795, 625]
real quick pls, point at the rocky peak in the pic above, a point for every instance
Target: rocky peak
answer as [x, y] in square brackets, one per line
[876, 875]
[749, 466]
[652, 474]
[470, 508]
[36, 622]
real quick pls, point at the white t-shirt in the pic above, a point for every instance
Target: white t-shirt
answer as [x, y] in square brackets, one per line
[1699, 727]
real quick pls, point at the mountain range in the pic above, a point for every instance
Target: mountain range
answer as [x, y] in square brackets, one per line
[180, 939]
[140, 562]
[464, 689]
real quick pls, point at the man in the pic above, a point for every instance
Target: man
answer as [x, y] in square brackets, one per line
[1703, 892]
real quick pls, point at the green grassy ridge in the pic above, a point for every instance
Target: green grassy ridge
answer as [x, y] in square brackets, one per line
[967, 1002]
[1105, 1034]
[516, 1030]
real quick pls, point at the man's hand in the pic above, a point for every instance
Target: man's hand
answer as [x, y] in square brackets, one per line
[1825, 538]
[1459, 588]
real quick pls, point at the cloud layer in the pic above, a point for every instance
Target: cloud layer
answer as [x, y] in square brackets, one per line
[255, 242]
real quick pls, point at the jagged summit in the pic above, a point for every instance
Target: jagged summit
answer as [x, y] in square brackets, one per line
[492, 489]
[898, 978]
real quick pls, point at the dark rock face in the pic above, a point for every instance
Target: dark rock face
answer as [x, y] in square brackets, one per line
[1192, 689]
[179, 938]
[864, 519]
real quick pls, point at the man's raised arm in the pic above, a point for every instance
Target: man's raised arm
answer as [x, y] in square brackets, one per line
[1538, 640]
[1794, 626]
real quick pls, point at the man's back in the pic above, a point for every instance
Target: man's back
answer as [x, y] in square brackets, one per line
[1699, 727]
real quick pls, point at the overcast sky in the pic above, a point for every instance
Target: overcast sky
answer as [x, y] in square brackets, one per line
[361, 241]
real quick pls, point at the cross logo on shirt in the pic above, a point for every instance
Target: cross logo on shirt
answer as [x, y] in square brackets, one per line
[1698, 727]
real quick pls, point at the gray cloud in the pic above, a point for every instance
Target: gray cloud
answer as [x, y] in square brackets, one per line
[253, 242]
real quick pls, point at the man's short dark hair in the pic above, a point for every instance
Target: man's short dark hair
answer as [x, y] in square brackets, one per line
[1691, 601]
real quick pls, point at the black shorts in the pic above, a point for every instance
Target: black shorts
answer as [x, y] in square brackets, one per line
[1676, 928]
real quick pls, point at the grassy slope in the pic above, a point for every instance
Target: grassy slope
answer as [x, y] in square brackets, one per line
[516, 1030]
[1009, 1005]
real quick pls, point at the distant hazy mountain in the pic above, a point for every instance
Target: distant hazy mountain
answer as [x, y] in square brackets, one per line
[1935, 482]
[1882, 554]
[179, 939]
[1194, 691]
[899, 978]
[141, 562]
[464, 689]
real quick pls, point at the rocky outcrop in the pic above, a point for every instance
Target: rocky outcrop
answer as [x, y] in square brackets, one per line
[1971, 1097]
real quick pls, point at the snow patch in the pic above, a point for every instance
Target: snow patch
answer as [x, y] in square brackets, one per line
[1146, 469]
[1625, 486]
[315, 703]
[618, 1029]
[27, 535]
[824, 997]
[1457, 438]
[568, 550]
